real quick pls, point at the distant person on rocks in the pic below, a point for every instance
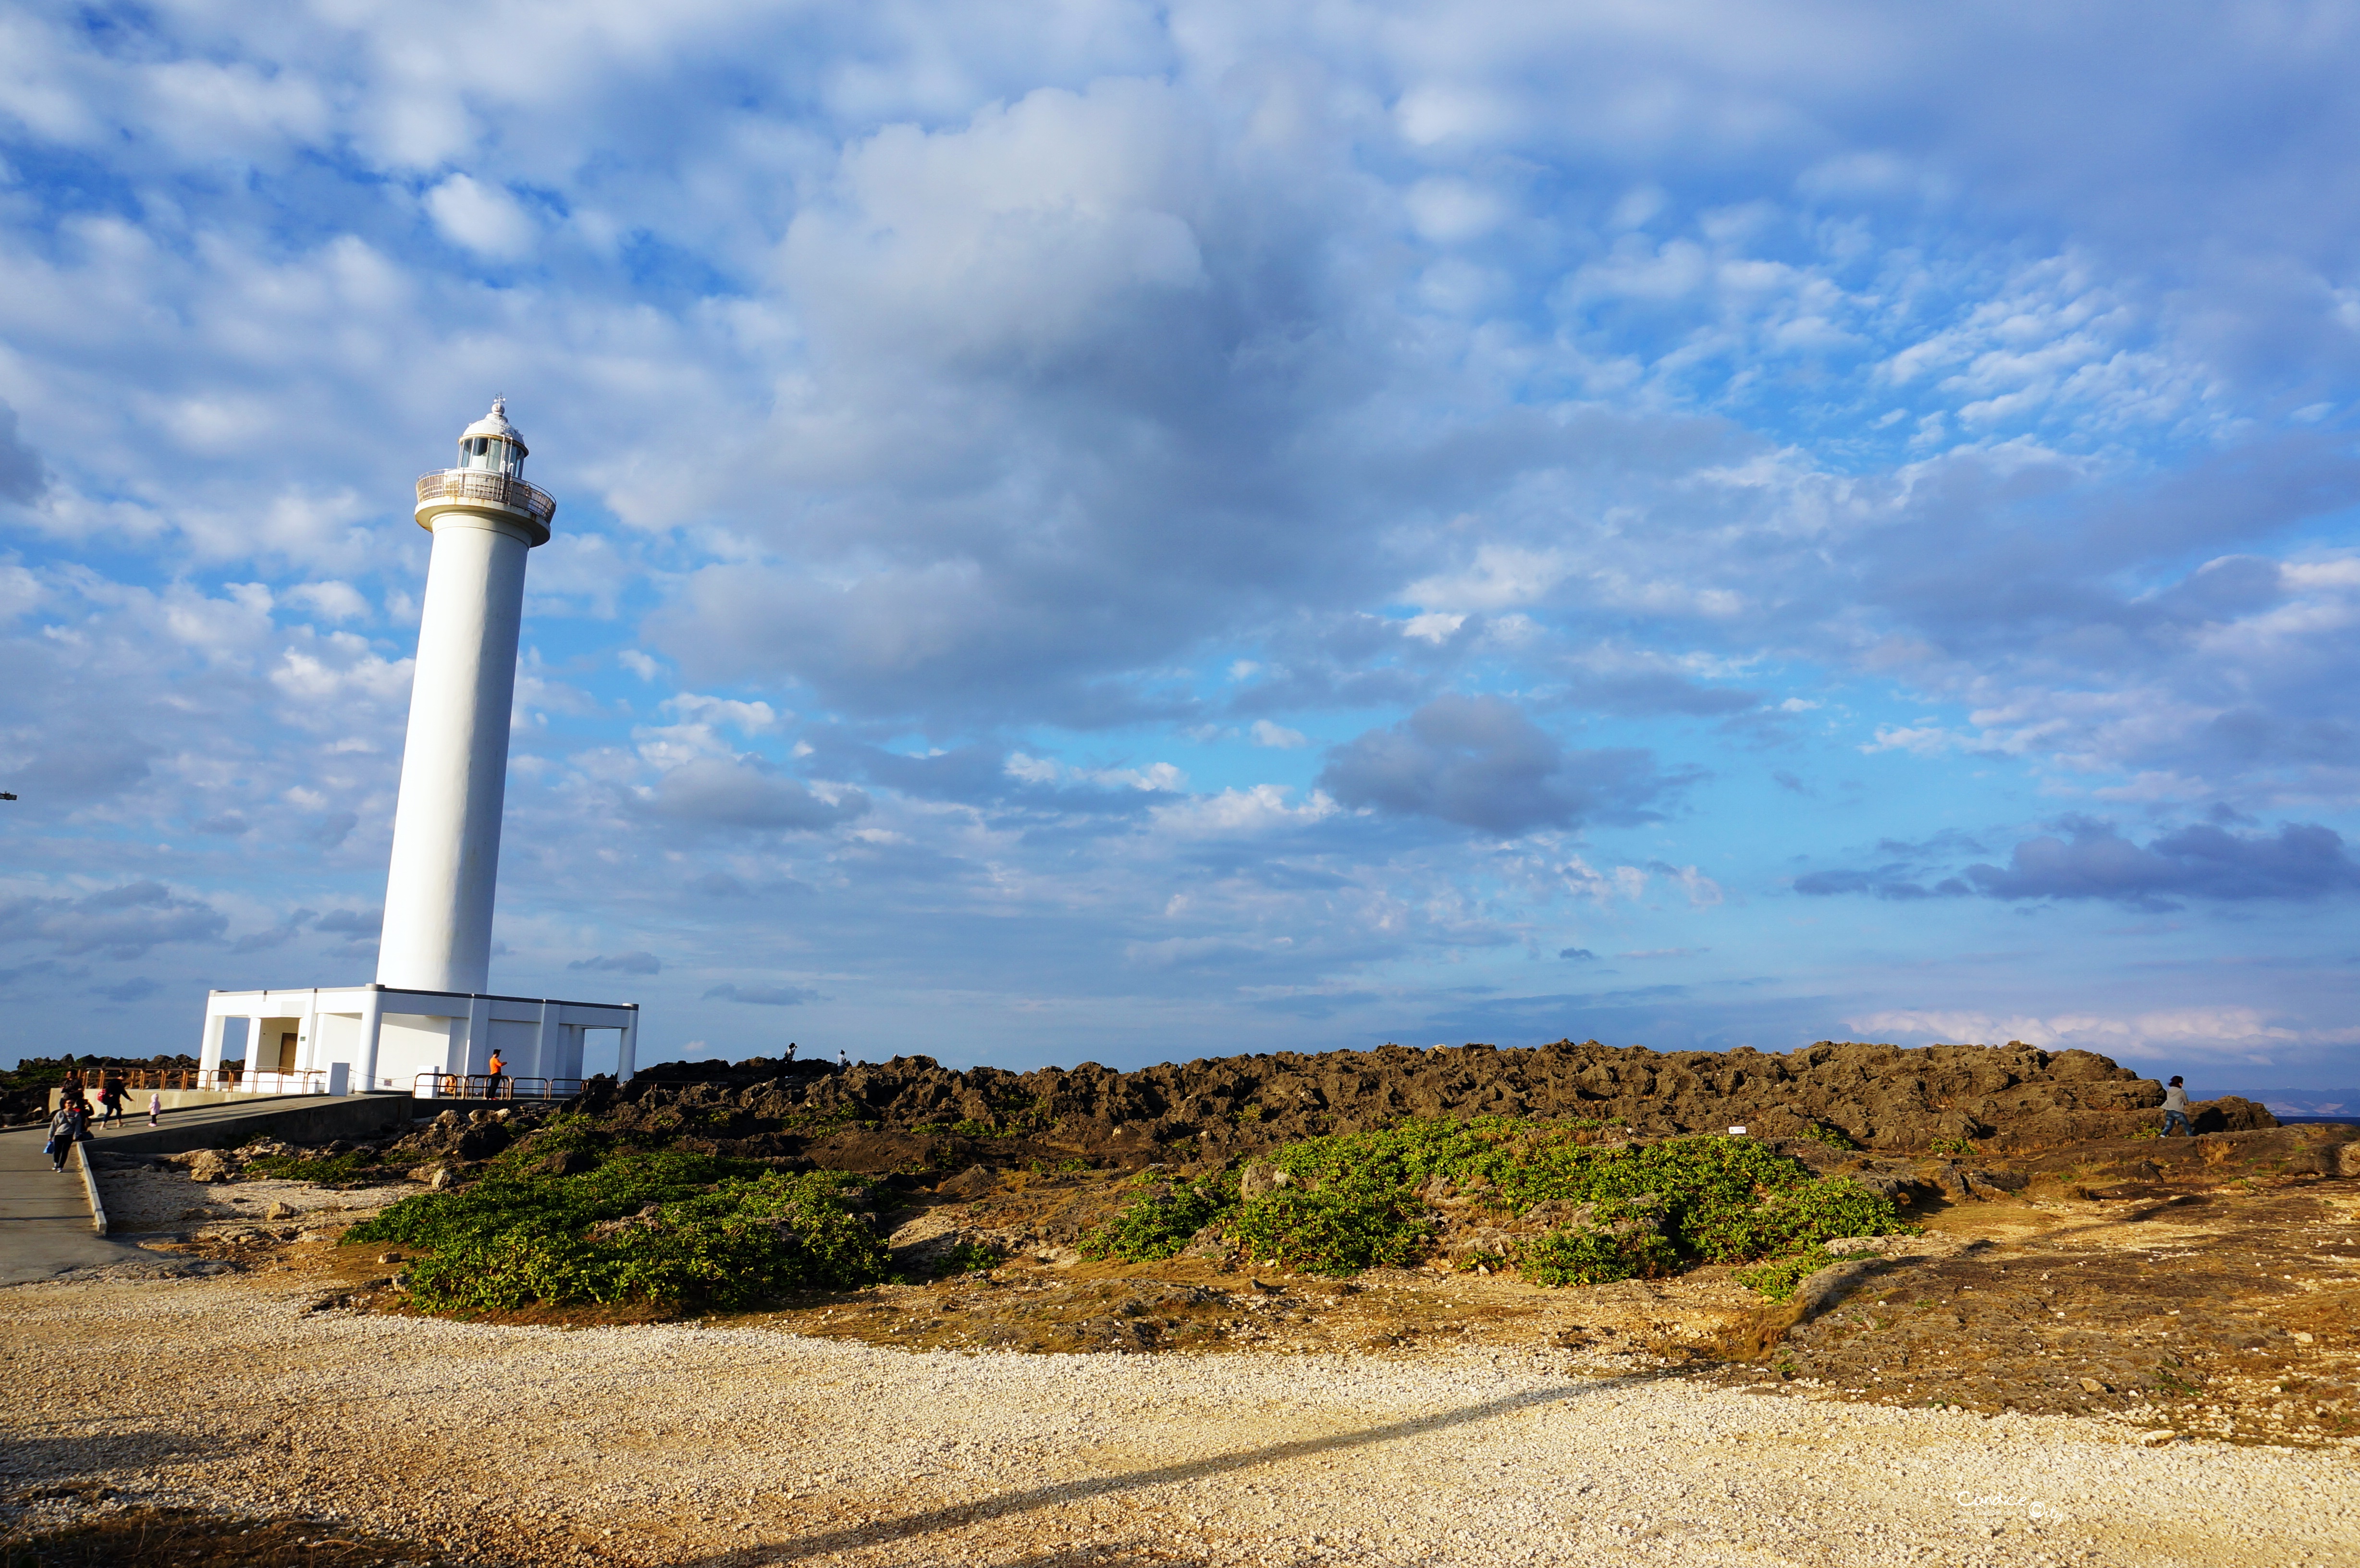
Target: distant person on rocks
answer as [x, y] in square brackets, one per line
[2175, 1110]
[791, 1051]
[843, 1061]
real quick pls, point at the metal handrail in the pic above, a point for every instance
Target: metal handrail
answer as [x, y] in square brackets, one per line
[479, 1086]
[96, 1078]
[479, 484]
[271, 1080]
[195, 1078]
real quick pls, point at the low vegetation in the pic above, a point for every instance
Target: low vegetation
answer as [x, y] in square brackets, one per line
[354, 1168]
[1563, 1210]
[574, 1215]
[550, 1224]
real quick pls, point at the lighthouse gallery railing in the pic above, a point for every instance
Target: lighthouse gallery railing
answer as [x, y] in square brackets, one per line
[474, 484]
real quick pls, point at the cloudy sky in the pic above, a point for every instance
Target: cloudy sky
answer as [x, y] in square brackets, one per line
[1130, 531]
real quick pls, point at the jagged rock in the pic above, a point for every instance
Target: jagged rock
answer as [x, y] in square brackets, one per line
[211, 1165]
[970, 1184]
[483, 1139]
[1258, 1179]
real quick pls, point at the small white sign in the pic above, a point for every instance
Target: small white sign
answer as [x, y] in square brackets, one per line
[1737, 1132]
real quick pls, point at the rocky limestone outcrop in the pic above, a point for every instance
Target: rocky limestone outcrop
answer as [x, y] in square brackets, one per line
[2012, 1098]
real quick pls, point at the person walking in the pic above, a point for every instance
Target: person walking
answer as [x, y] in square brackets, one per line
[2175, 1110]
[154, 1107]
[69, 1126]
[110, 1096]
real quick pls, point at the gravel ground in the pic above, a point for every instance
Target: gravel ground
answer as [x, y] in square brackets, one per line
[679, 1444]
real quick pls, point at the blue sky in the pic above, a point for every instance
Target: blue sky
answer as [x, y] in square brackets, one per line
[1129, 532]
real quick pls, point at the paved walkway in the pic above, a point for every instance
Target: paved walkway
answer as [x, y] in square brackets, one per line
[45, 1228]
[45, 1216]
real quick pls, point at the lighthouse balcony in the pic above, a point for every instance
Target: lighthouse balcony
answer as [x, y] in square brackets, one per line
[477, 487]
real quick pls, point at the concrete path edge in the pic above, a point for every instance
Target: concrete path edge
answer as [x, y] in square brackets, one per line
[90, 1187]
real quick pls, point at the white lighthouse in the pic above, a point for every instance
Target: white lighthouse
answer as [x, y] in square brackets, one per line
[430, 1024]
[454, 766]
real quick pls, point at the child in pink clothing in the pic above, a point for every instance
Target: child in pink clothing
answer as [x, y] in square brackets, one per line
[154, 1107]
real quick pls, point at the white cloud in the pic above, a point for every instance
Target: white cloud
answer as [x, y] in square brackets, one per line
[2215, 1035]
[1500, 576]
[1259, 809]
[482, 218]
[331, 600]
[1451, 211]
[1264, 732]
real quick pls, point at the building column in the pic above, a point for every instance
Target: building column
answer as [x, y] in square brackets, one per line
[479, 1036]
[542, 1042]
[627, 1054]
[307, 1041]
[209, 1053]
[372, 1031]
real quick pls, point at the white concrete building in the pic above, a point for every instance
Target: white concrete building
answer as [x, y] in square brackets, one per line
[337, 1039]
[429, 1018]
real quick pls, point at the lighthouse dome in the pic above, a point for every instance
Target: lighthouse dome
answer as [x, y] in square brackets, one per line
[493, 444]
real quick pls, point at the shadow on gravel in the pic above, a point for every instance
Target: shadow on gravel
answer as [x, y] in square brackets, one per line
[38, 1464]
[955, 1515]
[191, 1538]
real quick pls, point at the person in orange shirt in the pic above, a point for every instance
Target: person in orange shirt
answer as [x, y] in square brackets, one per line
[492, 1091]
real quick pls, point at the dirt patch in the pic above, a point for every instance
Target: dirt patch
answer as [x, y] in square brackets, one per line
[2230, 1313]
[158, 1194]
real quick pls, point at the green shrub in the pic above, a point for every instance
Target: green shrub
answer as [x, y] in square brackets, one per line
[1827, 1133]
[1801, 1218]
[1334, 1231]
[1159, 1223]
[1595, 1256]
[694, 1231]
[1354, 1201]
[1780, 1278]
[966, 1258]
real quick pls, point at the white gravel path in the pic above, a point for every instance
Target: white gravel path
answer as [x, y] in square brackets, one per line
[682, 1444]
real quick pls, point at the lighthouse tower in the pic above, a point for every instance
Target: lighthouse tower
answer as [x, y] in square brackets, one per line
[447, 829]
[428, 1025]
